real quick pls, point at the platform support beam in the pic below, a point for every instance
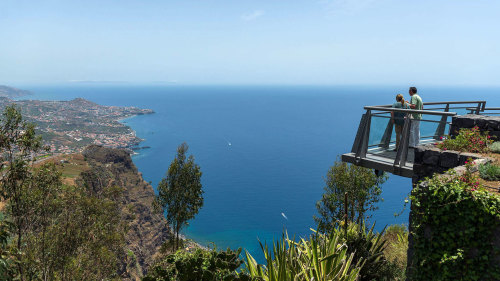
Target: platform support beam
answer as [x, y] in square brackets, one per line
[362, 146]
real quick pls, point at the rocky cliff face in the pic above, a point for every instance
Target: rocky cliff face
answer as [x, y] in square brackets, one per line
[147, 231]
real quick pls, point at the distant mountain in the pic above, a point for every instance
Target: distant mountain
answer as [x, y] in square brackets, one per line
[9, 92]
[83, 102]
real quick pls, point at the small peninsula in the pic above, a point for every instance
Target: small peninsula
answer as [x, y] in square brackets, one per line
[70, 126]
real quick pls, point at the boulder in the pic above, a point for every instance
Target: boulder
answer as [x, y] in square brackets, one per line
[431, 156]
[465, 156]
[449, 159]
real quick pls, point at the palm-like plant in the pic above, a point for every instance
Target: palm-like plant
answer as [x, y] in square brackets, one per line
[367, 246]
[320, 257]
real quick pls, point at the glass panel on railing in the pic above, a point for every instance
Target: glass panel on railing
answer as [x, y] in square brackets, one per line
[382, 139]
[432, 128]
[379, 123]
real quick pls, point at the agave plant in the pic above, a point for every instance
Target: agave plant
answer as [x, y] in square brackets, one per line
[367, 246]
[321, 257]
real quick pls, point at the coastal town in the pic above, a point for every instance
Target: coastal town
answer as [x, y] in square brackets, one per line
[70, 126]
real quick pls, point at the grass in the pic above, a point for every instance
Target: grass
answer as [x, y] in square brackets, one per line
[396, 237]
[70, 166]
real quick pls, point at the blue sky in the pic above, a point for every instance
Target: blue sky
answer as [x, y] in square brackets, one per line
[449, 42]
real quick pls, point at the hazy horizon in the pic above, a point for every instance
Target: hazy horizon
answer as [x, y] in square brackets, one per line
[324, 42]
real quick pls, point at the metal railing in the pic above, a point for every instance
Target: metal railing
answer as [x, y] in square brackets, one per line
[436, 113]
[485, 111]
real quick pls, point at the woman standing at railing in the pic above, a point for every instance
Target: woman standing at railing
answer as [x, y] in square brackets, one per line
[398, 118]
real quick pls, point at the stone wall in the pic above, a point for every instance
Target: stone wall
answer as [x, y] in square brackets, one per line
[430, 160]
[484, 123]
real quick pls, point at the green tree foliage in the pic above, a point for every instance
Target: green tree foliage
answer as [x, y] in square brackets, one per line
[180, 193]
[87, 237]
[455, 231]
[8, 255]
[202, 265]
[363, 192]
[396, 237]
[18, 143]
[52, 231]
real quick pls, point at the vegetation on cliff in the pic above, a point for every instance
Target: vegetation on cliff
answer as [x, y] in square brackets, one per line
[200, 264]
[455, 226]
[95, 223]
[56, 232]
[180, 193]
[363, 190]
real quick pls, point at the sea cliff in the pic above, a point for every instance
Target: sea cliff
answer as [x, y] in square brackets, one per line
[146, 230]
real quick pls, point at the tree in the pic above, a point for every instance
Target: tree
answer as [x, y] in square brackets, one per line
[52, 231]
[363, 192]
[18, 142]
[180, 193]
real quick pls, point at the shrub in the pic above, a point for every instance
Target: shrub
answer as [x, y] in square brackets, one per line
[495, 147]
[471, 140]
[206, 265]
[368, 246]
[489, 172]
[454, 231]
[470, 179]
[396, 237]
[320, 257]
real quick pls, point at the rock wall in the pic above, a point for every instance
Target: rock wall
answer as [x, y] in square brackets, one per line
[430, 160]
[491, 124]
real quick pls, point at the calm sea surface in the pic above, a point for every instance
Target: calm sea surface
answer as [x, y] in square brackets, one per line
[263, 150]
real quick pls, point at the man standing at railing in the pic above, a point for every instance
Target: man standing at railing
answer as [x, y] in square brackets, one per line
[415, 103]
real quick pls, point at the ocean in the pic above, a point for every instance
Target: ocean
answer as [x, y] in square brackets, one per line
[264, 150]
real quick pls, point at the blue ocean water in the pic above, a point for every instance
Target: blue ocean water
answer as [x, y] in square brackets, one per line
[263, 150]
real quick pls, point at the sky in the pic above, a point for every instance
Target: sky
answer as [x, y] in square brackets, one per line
[310, 42]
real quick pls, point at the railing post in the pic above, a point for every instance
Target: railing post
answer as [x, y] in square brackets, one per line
[403, 144]
[404, 153]
[386, 138]
[442, 124]
[478, 108]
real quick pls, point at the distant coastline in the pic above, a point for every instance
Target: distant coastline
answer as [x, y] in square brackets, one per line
[11, 92]
[70, 126]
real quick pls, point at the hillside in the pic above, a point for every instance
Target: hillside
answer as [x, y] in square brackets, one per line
[10, 92]
[70, 126]
[147, 231]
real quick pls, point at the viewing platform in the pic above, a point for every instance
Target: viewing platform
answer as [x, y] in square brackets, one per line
[375, 144]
